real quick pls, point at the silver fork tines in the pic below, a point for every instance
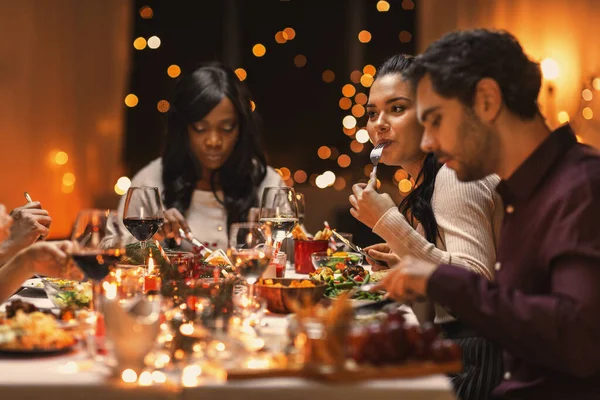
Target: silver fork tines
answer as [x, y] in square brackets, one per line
[375, 156]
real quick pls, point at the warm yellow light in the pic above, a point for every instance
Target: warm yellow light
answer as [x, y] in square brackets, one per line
[596, 83]
[173, 71]
[129, 376]
[123, 184]
[361, 98]
[362, 136]
[349, 122]
[324, 152]
[68, 179]
[339, 184]
[154, 42]
[587, 95]
[405, 37]
[369, 69]
[356, 146]
[61, 158]
[355, 76]
[364, 36]
[281, 37]
[146, 12]
[163, 106]
[328, 76]
[563, 117]
[345, 103]
[139, 43]
[383, 6]
[550, 69]
[131, 100]
[300, 176]
[400, 174]
[259, 50]
[300, 60]
[408, 5]
[285, 173]
[159, 377]
[405, 186]
[344, 160]
[241, 74]
[186, 329]
[358, 110]
[252, 105]
[587, 113]
[368, 169]
[348, 90]
[290, 33]
[366, 80]
[145, 379]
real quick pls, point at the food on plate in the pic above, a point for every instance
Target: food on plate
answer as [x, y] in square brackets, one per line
[377, 276]
[293, 284]
[348, 280]
[325, 234]
[68, 294]
[339, 260]
[18, 304]
[34, 331]
[298, 234]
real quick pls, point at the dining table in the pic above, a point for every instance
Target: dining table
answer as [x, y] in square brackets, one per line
[75, 376]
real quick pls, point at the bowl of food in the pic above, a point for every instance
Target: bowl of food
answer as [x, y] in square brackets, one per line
[336, 261]
[68, 294]
[284, 295]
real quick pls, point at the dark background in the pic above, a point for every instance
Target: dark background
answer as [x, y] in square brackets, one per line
[299, 110]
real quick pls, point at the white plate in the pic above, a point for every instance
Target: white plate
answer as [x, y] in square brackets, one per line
[34, 283]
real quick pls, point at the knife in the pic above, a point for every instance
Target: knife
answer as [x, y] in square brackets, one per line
[358, 249]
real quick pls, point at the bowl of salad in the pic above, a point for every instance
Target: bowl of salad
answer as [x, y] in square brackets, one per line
[68, 294]
[336, 261]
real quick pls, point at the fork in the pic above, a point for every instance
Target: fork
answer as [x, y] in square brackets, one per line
[375, 156]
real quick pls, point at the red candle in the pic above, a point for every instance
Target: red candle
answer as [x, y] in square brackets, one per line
[151, 283]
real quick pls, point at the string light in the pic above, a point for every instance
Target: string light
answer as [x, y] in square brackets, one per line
[405, 37]
[173, 71]
[348, 90]
[349, 132]
[259, 50]
[131, 100]
[400, 174]
[300, 176]
[300, 60]
[328, 76]
[364, 36]
[408, 5]
[285, 173]
[146, 12]
[356, 146]
[362, 136]
[587, 95]
[163, 106]
[345, 103]
[281, 37]
[355, 76]
[241, 74]
[349, 122]
[358, 110]
[154, 42]
[290, 32]
[361, 98]
[344, 160]
[366, 80]
[129, 376]
[368, 169]
[123, 184]
[596, 83]
[68, 179]
[339, 184]
[588, 113]
[405, 186]
[324, 152]
[383, 6]
[369, 69]
[61, 158]
[139, 43]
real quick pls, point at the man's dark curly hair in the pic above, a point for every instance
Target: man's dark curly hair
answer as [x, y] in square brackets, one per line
[459, 60]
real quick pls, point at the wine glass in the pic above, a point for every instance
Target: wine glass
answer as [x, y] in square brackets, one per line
[97, 248]
[249, 251]
[301, 207]
[143, 214]
[279, 213]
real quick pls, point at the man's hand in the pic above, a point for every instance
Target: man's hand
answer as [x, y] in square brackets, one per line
[408, 279]
[47, 258]
[382, 252]
[5, 223]
[30, 222]
[368, 206]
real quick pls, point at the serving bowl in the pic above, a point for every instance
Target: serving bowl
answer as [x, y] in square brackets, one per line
[282, 299]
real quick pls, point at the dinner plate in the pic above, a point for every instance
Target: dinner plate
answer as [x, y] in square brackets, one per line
[33, 283]
[36, 352]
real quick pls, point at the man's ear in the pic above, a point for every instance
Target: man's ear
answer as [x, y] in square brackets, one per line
[487, 101]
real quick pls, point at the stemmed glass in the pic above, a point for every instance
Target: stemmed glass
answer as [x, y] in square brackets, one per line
[248, 251]
[279, 213]
[301, 204]
[143, 214]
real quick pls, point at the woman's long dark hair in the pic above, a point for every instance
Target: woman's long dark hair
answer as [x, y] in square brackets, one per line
[417, 205]
[195, 95]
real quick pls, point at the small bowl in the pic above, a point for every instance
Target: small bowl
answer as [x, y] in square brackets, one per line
[322, 259]
[281, 299]
[65, 293]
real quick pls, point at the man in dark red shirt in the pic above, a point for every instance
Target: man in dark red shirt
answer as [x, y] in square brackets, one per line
[477, 98]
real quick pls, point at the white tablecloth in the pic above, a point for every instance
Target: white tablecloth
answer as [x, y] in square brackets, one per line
[53, 378]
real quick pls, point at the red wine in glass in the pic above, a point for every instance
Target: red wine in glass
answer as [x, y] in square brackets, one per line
[96, 265]
[143, 228]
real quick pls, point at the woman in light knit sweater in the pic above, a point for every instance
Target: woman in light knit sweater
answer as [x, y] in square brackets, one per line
[213, 169]
[442, 220]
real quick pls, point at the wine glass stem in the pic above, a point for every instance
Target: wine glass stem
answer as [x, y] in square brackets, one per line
[96, 293]
[143, 247]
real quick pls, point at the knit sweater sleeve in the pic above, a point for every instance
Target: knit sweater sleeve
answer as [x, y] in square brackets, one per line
[465, 213]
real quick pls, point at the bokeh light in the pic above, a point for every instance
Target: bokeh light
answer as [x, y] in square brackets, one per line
[300, 60]
[348, 90]
[383, 6]
[366, 80]
[154, 42]
[61, 158]
[405, 37]
[163, 106]
[349, 122]
[290, 33]
[364, 36]
[355, 76]
[241, 74]
[563, 117]
[345, 103]
[328, 76]
[139, 43]
[131, 100]
[361, 98]
[369, 69]
[324, 152]
[356, 146]
[259, 50]
[550, 69]
[344, 160]
[362, 136]
[405, 186]
[358, 110]
[587, 113]
[587, 95]
[146, 12]
[173, 71]
[300, 176]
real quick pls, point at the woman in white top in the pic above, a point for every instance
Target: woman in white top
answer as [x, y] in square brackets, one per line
[213, 168]
[442, 220]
